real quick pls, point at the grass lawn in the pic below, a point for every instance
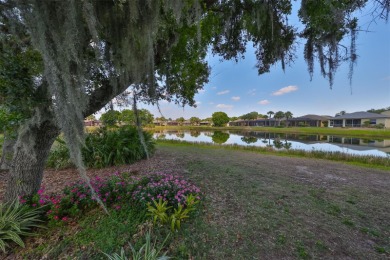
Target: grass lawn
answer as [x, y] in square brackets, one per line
[267, 207]
[256, 206]
[353, 132]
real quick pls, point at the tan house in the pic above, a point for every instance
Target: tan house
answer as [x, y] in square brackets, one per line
[360, 119]
[309, 120]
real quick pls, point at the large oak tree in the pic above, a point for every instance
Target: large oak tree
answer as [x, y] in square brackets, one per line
[92, 51]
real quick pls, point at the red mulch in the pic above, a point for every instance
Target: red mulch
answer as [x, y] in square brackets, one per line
[55, 180]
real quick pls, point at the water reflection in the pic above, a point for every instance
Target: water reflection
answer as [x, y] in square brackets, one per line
[359, 146]
[220, 137]
[249, 139]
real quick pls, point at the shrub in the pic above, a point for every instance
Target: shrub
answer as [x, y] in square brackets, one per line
[380, 126]
[17, 220]
[168, 187]
[105, 148]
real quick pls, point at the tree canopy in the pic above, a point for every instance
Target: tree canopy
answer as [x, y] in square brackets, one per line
[220, 118]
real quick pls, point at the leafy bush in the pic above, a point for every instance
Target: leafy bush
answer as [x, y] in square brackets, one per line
[380, 126]
[17, 220]
[105, 148]
[168, 187]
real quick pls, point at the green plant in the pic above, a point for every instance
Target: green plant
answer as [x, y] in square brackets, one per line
[178, 216]
[17, 220]
[148, 251]
[59, 155]
[159, 211]
[105, 147]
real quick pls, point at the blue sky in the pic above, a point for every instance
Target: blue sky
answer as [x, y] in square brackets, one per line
[236, 88]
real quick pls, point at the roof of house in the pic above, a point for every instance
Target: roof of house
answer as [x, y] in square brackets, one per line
[361, 115]
[310, 117]
[252, 120]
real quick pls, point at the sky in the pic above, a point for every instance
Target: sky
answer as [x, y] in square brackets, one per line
[237, 89]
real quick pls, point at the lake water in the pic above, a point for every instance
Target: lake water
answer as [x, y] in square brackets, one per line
[356, 146]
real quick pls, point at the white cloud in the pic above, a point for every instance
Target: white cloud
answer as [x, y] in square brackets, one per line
[252, 92]
[201, 91]
[224, 106]
[198, 103]
[214, 88]
[236, 98]
[285, 90]
[211, 103]
[223, 92]
[263, 102]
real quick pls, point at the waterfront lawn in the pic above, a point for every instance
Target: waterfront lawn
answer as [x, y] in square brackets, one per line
[261, 206]
[352, 132]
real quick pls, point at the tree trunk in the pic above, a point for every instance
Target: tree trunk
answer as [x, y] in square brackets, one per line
[32, 148]
[7, 152]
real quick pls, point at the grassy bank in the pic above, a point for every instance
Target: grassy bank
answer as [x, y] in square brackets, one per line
[352, 132]
[367, 161]
[265, 207]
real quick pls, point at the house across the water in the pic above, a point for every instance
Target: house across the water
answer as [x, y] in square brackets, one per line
[361, 119]
[255, 122]
[309, 120]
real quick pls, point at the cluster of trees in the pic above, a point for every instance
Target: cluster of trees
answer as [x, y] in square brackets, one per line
[127, 117]
[378, 111]
[61, 61]
[193, 120]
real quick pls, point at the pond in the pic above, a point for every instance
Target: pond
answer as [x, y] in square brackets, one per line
[328, 143]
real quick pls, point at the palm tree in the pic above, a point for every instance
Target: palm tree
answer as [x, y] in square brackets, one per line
[270, 113]
[279, 115]
[288, 115]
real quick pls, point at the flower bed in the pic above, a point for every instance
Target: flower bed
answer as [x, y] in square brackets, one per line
[115, 191]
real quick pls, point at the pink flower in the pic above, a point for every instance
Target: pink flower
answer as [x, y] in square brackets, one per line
[56, 217]
[65, 219]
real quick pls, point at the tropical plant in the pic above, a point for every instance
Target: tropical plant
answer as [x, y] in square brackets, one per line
[105, 148]
[288, 115]
[159, 211]
[279, 115]
[270, 113]
[16, 221]
[148, 251]
[179, 214]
